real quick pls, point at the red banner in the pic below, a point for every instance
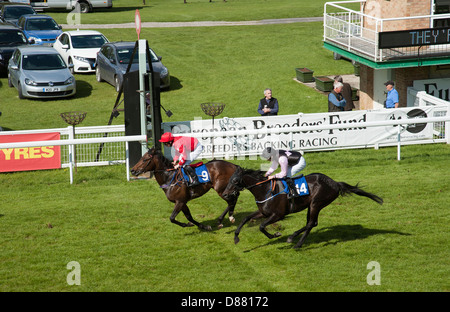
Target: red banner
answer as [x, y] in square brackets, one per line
[30, 158]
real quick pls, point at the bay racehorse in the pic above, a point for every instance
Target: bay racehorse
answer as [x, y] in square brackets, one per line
[177, 191]
[272, 202]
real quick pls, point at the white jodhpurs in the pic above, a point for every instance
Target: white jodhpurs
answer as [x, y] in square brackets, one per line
[292, 171]
[194, 154]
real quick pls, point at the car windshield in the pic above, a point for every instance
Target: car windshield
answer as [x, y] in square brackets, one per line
[43, 62]
[41, 24]
[16, 12]
[12, 37]
[124, 56]
[88, 41]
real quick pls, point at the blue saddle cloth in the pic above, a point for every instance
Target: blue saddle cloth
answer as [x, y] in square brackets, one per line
[300, 184]
[201, 172]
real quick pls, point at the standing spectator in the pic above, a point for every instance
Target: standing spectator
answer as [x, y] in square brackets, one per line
[336, 101]
[392, 95]
[346, 93]
[268, 106]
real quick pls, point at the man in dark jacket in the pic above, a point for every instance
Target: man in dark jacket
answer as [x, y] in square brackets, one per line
[336, 101]
[268, 106]
[346, 93]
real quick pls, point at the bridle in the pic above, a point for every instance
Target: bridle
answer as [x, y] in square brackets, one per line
[148, 163]
[238, 185]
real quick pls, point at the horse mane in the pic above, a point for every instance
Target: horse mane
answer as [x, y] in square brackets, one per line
[166, 162]
[257, 174]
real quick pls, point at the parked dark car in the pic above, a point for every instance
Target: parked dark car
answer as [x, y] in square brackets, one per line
[10, 38]
[113, 59]
[11, 12]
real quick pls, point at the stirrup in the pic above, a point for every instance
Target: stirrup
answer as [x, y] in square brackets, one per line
[293, 193]
[192, 176]
[194, 183]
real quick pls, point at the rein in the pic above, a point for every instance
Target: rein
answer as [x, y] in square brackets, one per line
[162, 170]
[272, 189]
[284, 191]
[177, 176]
[256, 184]
[159, 170]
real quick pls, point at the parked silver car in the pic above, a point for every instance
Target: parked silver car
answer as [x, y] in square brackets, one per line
[113, 59]
[40, 72]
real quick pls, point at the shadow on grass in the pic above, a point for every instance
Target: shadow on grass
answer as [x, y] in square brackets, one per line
[175, 83]
[332, 235]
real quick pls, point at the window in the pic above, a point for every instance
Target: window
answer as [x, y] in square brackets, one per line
[441, 7]
[43, 62]
[88, 41]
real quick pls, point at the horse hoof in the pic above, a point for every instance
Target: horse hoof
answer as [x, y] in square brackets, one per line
[208, 228]
[220, 226]
[232, 219]
[289, 240]
[236, 240]
[189, 224]
[277, 234]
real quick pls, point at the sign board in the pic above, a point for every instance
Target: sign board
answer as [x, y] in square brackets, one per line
[30, 158]
[137, 22]
[355, 134]
[413, 37]
[439, 88]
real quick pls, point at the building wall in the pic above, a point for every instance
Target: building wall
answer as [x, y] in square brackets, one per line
[398, 8]
[403, 77]
[366, 87]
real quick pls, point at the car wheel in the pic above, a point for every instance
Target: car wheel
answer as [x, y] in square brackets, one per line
[71, 68]
[19, 91]
[9, 80]
[84, 7]
[98, 76]
[117, 83]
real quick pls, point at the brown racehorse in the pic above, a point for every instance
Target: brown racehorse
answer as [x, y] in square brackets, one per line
[273, 204]
[176, 188]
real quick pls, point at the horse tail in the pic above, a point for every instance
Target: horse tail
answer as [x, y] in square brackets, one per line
[347, 189]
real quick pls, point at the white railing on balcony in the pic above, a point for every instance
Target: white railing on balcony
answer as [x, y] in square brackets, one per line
[352, 30]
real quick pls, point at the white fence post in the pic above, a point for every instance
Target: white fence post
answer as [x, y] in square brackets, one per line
[71, 154]
[127, 160]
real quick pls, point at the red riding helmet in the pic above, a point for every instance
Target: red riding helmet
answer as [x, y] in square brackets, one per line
[166, 137]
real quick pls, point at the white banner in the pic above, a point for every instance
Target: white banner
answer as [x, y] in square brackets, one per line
[439, 88]
[354, 133]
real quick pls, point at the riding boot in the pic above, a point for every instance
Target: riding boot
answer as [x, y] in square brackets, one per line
[292, 189]
[191, 172]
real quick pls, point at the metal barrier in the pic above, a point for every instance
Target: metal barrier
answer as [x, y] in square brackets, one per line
[303, 129]
[71, 143]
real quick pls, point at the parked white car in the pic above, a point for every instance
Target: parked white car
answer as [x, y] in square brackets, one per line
[85, 5]
[79, 48]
